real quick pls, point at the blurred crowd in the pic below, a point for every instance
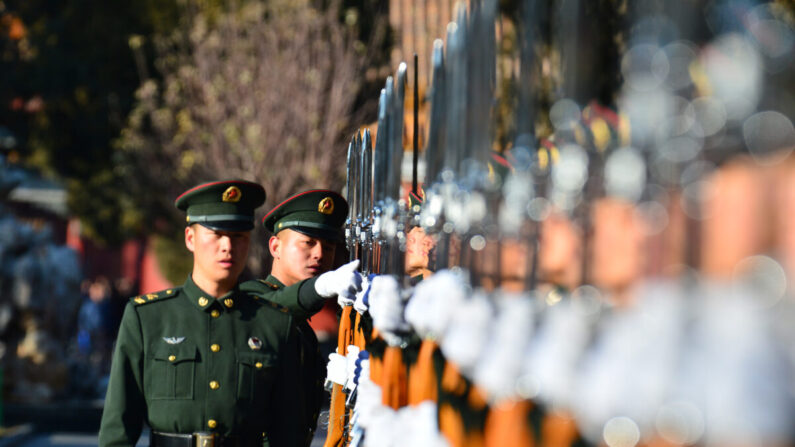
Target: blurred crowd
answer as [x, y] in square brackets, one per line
[56, 328]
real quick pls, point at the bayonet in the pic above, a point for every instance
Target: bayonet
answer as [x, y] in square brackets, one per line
[415, 139]
[434, 150]
[366, 201]
[350, 190]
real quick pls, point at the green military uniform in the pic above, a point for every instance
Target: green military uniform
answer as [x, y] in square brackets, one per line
[300, 299]
[317, 213]
[310, 394]
[187, 362]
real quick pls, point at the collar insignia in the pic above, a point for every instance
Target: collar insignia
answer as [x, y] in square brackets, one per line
[254, 343]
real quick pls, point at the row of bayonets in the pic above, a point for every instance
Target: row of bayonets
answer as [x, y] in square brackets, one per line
[457, 150]
[463, 197]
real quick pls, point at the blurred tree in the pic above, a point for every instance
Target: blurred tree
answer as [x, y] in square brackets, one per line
[68, 79]
[264, 92]
[70, 71]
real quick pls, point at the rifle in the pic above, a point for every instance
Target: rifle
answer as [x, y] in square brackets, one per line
[354, 225]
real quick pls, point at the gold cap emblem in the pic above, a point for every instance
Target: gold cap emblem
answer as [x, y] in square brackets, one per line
[232, 194]
[326, 206]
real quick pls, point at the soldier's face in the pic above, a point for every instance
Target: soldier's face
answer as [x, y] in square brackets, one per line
[618, 245]
[560, 251]
[297, 257]
[218, 256]
[418, 247]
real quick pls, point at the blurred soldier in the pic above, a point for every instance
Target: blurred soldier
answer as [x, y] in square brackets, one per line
[205, 363]
[305, 229]
[418, 244]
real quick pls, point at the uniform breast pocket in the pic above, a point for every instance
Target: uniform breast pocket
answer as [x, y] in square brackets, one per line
[255, 374]
[171, 370]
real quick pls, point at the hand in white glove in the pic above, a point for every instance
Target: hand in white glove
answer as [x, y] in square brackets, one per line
[434, 301]
[500, 366]
[466, 335]
[342, 283]
[386, 307]
[368, 398]
[382, 428]
[420, 427]
[337, 368]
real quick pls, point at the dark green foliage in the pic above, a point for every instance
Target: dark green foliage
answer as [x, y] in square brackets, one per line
[72, 78]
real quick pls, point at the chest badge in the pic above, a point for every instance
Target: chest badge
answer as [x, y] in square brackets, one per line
[173, 340]
[255, 343]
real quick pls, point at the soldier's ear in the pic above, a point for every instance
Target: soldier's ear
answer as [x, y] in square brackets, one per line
[274, 244]
[189, 237]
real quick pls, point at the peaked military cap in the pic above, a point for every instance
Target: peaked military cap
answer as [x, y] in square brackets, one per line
[317, 213]
[224, 205]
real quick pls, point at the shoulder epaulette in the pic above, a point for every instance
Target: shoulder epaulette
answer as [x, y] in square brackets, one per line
[267, 302]
[155, 296]
[269, 284]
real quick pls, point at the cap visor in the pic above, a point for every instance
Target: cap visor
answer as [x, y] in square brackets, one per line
[229, 225]
[326, 235]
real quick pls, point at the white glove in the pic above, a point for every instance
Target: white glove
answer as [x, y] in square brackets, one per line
[468, 331]
[342, 283]
[420, 426]
[386, 308]
[337, 368]
[500, 366]
[368, 399]
[433, 301]
[360, 304]
[350, 360]
[382, 428]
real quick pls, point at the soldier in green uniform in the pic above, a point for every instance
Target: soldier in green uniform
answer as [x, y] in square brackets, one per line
[306, 228]
[206, 363]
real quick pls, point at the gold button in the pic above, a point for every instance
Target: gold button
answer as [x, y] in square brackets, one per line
[203, 301]
[229, 302]
[215, 313]
[215, 347]
[258, 365]
[214, 385]
[168, 291]
[171, 358]
[212, 423]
